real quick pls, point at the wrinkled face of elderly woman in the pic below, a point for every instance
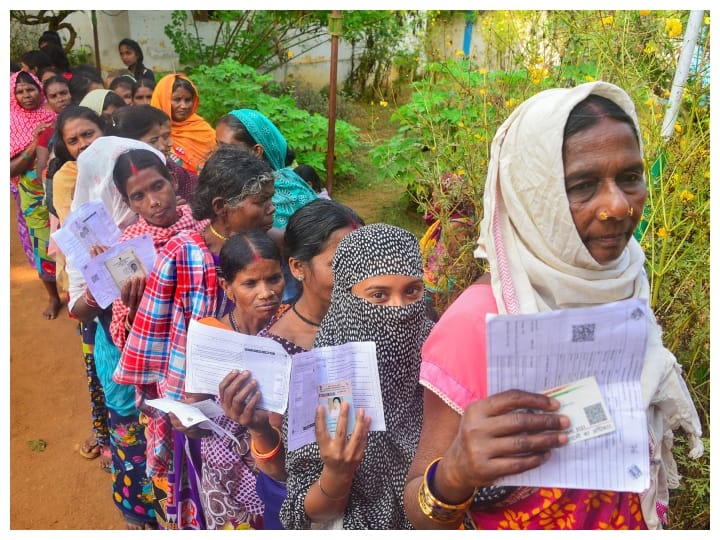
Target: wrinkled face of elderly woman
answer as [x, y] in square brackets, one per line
[605, 185]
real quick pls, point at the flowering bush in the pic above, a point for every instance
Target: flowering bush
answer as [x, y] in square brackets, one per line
[453, 113]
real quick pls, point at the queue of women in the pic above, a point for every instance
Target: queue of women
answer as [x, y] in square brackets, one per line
[244, 244]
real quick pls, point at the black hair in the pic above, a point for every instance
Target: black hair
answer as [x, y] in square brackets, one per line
[57, 55]
[49, 69]
[289, 156]
[590, 111]
[130, 162]
[310, 227]
[136, 121]
[244, 247]
[83, 76]
[310, 175]
[72, 112]
[14, 67]
[226, 174]
[186, 84]
[36, 59]
[126, 81]
[112, 98]
[49, 36]
[55, 79]
[139, 67]
[240, 132]
[142, 83]
[25, 77]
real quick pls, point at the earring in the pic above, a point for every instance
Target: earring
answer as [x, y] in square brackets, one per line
[300, 277]
[603, 215]
[631, 211]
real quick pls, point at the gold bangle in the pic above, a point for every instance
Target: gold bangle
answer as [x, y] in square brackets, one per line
[342, 497]
[128, 324]
[435, 509]
[260, 456]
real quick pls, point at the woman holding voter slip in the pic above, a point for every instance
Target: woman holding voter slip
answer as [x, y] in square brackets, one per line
[253, 282]
[234, 192]
[311, 238]
[564, 192]
[355, 481]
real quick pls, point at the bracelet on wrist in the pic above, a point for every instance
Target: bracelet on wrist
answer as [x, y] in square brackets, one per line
[265, 456]
[26, 156]
[435, 509]
[331, 497]
[128, 324]
[89, 300]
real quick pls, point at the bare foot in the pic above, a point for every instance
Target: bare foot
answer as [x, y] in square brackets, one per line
[53, 308]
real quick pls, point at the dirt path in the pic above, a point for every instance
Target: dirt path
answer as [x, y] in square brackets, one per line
[56, 488]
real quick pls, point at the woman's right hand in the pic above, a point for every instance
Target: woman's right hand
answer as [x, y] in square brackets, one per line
[499, 436]
[239, 397]
[342, 456]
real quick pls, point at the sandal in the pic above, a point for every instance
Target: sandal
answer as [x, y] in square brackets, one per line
[89, 449]
[105, 459]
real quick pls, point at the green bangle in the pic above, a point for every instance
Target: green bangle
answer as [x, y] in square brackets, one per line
[26, 156]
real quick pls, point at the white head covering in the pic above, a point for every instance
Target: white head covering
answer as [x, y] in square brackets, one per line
[95, 176]
[538, 261]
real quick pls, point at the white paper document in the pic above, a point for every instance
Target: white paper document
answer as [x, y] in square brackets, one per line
[313, 373]
[542, 351]
[90, 224]
[193, 414]
[107, 273]
[214, 352]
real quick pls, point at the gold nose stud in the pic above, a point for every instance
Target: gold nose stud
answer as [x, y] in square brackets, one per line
[631, 211]
[603, 216]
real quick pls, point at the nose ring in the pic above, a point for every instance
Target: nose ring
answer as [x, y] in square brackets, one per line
[603, 215]
[631, 211]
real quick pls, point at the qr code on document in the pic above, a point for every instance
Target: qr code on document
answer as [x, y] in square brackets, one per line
[595, 414]
[583, 332]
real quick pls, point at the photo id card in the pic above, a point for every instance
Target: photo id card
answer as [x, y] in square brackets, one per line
[582, 402]
[124, 266]
[332, 395]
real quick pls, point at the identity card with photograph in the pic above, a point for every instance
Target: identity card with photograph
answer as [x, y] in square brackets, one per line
[332, 395]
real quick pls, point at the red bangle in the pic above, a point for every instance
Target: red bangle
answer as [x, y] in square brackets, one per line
[90, 301]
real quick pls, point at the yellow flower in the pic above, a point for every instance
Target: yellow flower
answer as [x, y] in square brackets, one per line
[460, 124]
[666, 93]
[461, 172]
[686, 196]
[650, 48]
[658, 115]
[673, 27]
[644, 12]
[678, 128]
[606, 21]
[510, 102]
[662, 232]
[482, 92]
[707, 175]
[650, 102]
[589, 78]
[706, 20]
[482, 71]
[478, 136]
[290, 54]
[383, 103]
[458, 52]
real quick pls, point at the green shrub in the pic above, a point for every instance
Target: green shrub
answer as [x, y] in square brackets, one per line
[230, 85]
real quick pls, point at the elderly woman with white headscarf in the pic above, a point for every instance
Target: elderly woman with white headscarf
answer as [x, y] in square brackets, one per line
[565, 190]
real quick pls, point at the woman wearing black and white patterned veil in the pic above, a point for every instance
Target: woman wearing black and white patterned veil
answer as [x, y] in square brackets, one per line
[357, 482]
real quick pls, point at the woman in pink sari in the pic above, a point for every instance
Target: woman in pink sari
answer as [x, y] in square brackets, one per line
[28, 119]
[564, 192]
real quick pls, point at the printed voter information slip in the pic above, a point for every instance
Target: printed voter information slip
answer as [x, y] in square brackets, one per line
[583, 403]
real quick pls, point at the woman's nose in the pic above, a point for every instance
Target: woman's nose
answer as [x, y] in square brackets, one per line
[612, 202]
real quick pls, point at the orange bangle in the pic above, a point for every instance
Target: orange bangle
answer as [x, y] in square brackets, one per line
[267, 455]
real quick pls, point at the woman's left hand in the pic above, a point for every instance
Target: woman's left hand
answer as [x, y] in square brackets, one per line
[192, 432]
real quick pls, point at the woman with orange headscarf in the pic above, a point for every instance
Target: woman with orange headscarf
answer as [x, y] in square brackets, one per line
[193, 138]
